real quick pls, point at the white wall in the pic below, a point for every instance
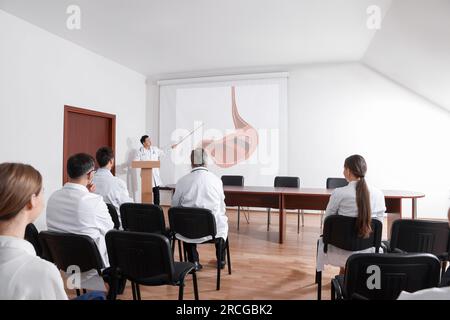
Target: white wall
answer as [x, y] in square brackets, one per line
[339, 110]
[39, 74]
[413, 48]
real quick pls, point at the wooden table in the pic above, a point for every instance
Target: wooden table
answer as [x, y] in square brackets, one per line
[302, 198]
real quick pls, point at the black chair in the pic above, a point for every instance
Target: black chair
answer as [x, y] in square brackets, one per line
[195, 223]
[396, 272]
[67, 249]
[114, 216]
[420, 236]
[333, 183]
[237, 181]
[32, 236]
[287, 182]
[145, 259]
[340, 231]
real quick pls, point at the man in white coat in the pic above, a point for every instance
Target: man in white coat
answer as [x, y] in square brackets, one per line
[202, 189]
[76, 209]
[148, 152]
[113, 190]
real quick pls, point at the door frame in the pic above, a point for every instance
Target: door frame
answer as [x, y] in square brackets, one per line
[71, 109]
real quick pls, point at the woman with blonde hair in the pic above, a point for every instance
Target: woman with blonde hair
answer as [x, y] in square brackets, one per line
[23, 275]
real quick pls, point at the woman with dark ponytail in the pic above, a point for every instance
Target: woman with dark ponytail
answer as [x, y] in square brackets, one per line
[357, 199]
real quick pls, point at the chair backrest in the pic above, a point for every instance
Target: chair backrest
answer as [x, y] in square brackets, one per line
[192, 223]
[340, 231]
[286, 182]
[139, 217]
[384, 276]
[233, 181]
[68, 249]
[420, 236]
[114, 216]
[333, 183]
[140, 255]
[32, 236]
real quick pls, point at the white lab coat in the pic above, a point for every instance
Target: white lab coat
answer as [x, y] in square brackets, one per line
[343, 202]
[112, 189]
[427, 294]
[25, 276]
[73, 209]
[152, 154]
[202, 189]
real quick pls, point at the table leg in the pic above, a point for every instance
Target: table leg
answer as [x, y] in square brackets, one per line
[282, 223]
[414, 208]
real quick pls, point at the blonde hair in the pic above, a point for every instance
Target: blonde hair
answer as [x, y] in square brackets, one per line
[18, 183]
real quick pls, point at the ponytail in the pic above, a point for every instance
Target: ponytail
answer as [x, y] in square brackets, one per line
[364, 219]
[357, 165]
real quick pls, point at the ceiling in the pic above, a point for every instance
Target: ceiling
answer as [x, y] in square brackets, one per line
[158, 38]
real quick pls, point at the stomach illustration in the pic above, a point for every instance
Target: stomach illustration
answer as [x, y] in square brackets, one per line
[235, 147]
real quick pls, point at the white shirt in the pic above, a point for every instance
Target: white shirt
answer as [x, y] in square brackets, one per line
[151, 154]
[24, 276]
[427, 294]
[112, 189]
[73, 209]
[343, 202]
[202, 189]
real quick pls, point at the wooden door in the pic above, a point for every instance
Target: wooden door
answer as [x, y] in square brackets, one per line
[86, 131]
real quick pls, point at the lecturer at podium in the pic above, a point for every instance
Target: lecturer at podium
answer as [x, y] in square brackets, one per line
[148, 152]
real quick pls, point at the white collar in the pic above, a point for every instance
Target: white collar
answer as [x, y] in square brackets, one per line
[17, 243]
[75, 186]
[199, 169]
[104, 171]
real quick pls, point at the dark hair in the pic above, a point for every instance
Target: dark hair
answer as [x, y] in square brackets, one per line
[143, 138]
[198, 157]
[104, 155]
[79, 164]
[358, 167]
[18, 183]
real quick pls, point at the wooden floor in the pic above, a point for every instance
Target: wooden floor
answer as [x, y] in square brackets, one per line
[261, 268]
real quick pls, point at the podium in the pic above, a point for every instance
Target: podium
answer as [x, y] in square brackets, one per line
[146, 178]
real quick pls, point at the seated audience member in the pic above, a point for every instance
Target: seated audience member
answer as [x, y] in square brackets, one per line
[23, 275]
[357, 199]
[202, 189]
[432, 293]
[76, 209]
[112, 189]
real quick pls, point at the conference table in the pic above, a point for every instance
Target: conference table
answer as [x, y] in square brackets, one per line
[302, 198]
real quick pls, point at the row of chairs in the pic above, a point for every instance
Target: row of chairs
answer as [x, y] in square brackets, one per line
[140, 253]
[282, 182]
[416, 257]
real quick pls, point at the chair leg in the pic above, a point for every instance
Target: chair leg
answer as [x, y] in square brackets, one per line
[84, 291]
[220, 258]
[185, 253]
[268, 219]
[228, 256]
[194, 280]
[239, 216]
[78, 292]
[180, 254]
[133, 290]
[319, 284]
[333, 291]
[298, 221]
[138, 292]
[181, 290]
[247, 216]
